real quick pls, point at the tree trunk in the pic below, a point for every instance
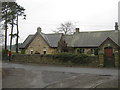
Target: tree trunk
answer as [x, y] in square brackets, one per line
[6, 31]
[11, 37]
[17, 36]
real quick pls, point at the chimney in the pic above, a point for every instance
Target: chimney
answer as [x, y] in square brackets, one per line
[116, 25]
[39, 29]
[77, 30]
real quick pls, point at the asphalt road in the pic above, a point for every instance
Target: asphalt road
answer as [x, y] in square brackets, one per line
[39, 76]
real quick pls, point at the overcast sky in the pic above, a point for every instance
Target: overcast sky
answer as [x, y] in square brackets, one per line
[85, 14]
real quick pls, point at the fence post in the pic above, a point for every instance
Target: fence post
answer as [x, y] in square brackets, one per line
[116, 56]
[101, 59]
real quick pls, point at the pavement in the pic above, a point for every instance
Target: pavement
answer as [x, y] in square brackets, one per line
[43, 76]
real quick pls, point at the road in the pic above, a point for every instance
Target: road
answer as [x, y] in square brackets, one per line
[43, 76]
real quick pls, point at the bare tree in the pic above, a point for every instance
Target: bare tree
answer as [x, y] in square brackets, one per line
[66, 28]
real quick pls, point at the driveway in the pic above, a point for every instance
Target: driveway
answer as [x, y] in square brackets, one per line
[43, 76]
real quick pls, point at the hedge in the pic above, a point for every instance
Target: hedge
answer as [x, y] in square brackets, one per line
[73, 58]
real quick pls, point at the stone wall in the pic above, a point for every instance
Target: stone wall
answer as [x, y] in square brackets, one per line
[28, 58]
[46, 59]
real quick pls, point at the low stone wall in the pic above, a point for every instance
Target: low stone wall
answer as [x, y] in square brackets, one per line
[46, 59]
[35, 58]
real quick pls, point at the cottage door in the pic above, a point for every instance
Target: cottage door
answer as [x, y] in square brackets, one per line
[109, 58]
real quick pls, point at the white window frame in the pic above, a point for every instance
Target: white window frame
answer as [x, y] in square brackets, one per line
[44, 50]
[31, 51]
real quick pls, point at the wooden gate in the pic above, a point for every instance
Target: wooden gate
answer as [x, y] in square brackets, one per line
[109, 57]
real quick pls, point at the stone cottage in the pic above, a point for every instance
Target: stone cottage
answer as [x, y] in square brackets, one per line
[106, 44]
[41, 43]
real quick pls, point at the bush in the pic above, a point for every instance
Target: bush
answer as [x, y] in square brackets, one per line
[23, 51]
[4, 54]
[78, 50]
[96, 51]
[73, 58]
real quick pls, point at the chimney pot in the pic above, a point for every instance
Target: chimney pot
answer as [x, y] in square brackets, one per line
[116, 26]
[38, 29]
[77, 30]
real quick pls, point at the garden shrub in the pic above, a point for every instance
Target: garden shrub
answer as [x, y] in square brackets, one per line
[78, 50]
[23, 51]
[70, 57]
[4, 51]
[4, 54]
[96, 51]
